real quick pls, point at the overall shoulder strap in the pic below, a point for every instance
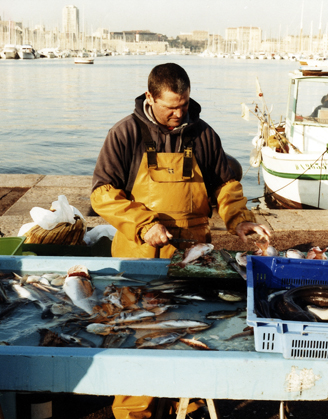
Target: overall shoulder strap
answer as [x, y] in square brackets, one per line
[148, 141]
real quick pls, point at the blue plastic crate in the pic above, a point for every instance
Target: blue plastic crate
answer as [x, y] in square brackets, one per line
[294, 339]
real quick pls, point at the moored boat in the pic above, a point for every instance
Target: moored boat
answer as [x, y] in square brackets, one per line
[293, 155]
[9, 52]
[83, 58]
[26, 52]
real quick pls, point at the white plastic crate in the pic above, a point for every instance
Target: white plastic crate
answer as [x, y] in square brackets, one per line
[294, 339]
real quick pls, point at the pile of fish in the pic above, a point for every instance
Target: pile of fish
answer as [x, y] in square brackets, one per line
[265, 249]
[305, 303]
[115, 312]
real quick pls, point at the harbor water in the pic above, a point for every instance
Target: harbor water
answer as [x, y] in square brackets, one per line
[55, 114]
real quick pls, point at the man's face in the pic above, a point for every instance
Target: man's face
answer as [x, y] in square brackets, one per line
[169, 108]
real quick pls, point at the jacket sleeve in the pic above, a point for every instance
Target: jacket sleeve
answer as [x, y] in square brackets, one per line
[231, 205]
[132, 219]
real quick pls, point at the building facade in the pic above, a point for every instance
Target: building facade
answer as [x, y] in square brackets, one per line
[71, 21]
[244, 39]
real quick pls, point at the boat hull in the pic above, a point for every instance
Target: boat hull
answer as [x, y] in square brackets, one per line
[296, 180]
[24, 55]
[83, 60]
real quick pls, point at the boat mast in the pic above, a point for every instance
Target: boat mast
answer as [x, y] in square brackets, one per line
[320, 33]
[301, 30]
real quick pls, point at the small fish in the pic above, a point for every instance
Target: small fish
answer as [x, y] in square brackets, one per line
[99, 329]
[241, 259]
[77, 341]
[132, 316]
[191, 325]
[294, 254]
[193, 296]
[58, 281]
[317, 253]
[194, 343]
[248, 331]
[264, 249]
[78, 287]
[158, 340]
[58, 309]
[231, 296]
[223, 314]
[195, 252]
[115, 340]
[118, 277]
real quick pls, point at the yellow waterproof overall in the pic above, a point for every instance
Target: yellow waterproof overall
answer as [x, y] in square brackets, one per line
[183, 207]
[181, 203]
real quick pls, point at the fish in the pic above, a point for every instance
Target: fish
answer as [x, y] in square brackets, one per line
[223, 314]
[118, 277]
[265, 249]
[58, 309]
[195, 252]
[180, 324]
[115, 339]
[294, 254]
[248, 331]
[241, 259]
[99, 328]
[158, 340]
[58, 281]
[79, 288]
[195, 343]
[77, 341]
[231, 296]
[317, 253]
[131, 316]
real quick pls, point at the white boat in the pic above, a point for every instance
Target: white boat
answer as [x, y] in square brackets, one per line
[293, 155]
[25, 52]
[83, 58]
[47, 53]
[9, 52]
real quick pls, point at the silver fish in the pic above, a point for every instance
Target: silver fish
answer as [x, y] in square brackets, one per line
[195, 252]
[231, 296]
[294, 254]
[169, 325]
[118, 277]
[131, 316]
[223, 314]
[81, 291]
[158, 340]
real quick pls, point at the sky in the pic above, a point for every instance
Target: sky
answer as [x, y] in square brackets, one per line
[171, 17]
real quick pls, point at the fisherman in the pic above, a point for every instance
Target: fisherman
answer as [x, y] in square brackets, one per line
[155, 177]
[324, 105]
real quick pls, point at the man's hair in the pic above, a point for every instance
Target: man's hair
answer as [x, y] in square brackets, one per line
[168, 77]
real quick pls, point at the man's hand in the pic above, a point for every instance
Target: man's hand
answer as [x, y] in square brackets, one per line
[157, 236]
[246, 228]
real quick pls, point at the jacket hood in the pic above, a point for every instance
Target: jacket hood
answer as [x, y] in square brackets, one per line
[193, 110]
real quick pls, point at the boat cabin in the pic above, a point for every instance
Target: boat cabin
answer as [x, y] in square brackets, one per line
[307, 110]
